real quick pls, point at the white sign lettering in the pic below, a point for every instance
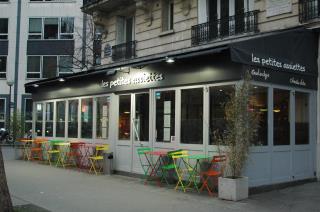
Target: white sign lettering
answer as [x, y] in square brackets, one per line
[140, 78]
[299, 82]
[259, 73]
[271, 62]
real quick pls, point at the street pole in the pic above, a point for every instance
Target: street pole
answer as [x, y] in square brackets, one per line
[10, 84]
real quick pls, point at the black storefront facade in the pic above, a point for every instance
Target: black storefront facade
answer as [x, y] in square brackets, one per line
[178, 105]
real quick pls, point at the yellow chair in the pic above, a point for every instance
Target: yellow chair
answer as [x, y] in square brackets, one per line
[97, 158]
[182, 168]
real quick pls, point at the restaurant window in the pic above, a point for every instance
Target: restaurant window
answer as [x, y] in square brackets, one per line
[3, 28]
[65, 65]
[165, 116]
[49, 68]
[219, 96]
[86, 118]
[192, 116]
[73, 119]
[39, 118]
[124, 117]
[2, 113]
[141, 121]
[103, 116]
[49, 119]
[35, 28]
[281, 121]
[66, 28]
[258, 103]
[302, 118]
[167, 14]
[60, 118]
[28, 114]
[51, 28]
[3, 67]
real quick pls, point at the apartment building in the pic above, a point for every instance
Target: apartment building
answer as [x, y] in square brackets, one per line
[38, 39]
[167, 67]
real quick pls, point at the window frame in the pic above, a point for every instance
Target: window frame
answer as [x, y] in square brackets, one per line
[6, 66]
[59, 28]
[58, 73]
[7, 33]
[5, 111]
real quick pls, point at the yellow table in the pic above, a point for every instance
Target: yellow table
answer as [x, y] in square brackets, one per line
[63, 149]
[26, 148]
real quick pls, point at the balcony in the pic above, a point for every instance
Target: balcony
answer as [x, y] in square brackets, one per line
[225, 27]
[308, 10]
[124, 51]
[90, 6]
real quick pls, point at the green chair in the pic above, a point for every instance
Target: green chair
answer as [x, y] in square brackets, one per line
[169, 166]
[144, 161]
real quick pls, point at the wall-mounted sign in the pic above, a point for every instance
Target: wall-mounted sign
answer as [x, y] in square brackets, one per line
[278, 7]
[107, 50]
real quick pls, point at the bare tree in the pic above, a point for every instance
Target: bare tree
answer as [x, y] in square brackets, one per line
[5, 199]
[88, 44]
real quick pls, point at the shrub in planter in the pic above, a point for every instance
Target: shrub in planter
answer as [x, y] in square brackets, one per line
[241, 128]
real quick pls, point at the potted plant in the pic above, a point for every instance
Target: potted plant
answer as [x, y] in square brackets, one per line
[241, 128]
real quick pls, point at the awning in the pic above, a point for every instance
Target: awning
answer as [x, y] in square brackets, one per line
[293, 51]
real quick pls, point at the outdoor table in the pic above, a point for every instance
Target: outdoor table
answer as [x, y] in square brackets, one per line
[25, 148]
[194, 170]
[63, 150]
[155, 166]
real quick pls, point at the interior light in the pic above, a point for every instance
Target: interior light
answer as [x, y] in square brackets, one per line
[255, 87]
[220, 90]
[61, 80]
[276, 110]
[263, 110]
[169, 60]
[126, 112]
[35, 85]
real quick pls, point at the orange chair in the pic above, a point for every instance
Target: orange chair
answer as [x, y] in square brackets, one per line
[74, 155]
[36, 151]
[215, 170]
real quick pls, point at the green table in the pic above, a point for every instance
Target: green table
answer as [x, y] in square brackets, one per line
[194, 170]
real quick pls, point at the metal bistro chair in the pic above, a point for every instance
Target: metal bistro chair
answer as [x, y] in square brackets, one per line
[182, 168]
[97, 158]
[215, 170]
[169, 165]
[51, 152]
[36, 150]
[144, 161]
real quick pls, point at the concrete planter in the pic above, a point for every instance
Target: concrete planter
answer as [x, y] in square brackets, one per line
[233, 189]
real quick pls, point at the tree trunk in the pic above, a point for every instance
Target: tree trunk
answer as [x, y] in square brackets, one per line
[5, 199]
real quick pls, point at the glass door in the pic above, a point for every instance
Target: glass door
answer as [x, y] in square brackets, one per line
[133, 130]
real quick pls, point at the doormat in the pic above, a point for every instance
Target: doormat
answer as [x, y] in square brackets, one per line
[29, 208]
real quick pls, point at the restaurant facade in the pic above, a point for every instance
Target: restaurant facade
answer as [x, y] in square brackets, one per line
[176, 102]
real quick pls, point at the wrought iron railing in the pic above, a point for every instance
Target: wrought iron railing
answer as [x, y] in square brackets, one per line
[308, 10]
[124, 51]
[224, 27]
[89, 2]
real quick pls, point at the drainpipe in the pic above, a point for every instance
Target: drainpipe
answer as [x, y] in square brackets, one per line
[318, 119]
[17, 59]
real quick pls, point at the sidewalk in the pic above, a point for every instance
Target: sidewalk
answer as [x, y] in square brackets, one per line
[57, 189]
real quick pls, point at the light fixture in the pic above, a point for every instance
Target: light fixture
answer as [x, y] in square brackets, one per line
[255, 87]
[169, 59]
[220, 90]
[35, 85]
[61, 79]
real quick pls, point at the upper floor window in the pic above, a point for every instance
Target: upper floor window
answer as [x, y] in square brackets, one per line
[51, 28]
[3, 28]
[125, 29]
[49, 66]
[50, 0]
[167, 14]
[2, 112]
[3, 66]
[4, 0]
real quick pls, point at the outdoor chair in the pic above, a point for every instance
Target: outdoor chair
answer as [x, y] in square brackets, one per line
[215, 170]
[51, 152]
[36, 150]
[96, 160]
[168, 167]
[182, 168]
[144, 161]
